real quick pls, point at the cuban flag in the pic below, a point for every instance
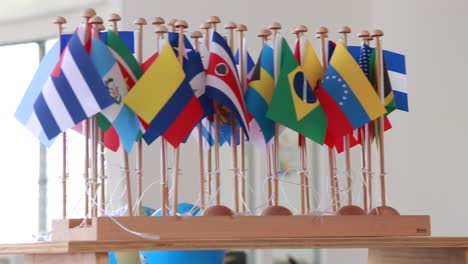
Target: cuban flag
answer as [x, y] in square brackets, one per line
[73, 92]
[222, 82]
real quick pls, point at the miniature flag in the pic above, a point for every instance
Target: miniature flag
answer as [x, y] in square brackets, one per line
[25, 112]
[222, 82]
[260, 92]
[74, 94]
[119, 115]
[348, 98]
[293, 91]
[193, 110]
[396, 69]
[130, 69]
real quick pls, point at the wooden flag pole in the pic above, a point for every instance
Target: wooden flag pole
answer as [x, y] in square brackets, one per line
[272, 162]
[206, 35]
[160, 30]
[171, 23]
[364, 35]
[230, 27]
[181, 25]
[115, 18]
[384, 209]
[196, 36]
[59, 21]
[305, 195]
[95, 21]
[243, 79]
[264, 34]
[350, 209]
[86, 15]
[218, 209]
[322, 34]
[139, 23]
[368, 140]
[275, 27]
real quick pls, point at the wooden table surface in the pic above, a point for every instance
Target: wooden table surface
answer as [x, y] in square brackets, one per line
[360, 242]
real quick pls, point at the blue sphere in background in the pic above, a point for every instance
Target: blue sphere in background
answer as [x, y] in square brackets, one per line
[182, 256]
[147, 211]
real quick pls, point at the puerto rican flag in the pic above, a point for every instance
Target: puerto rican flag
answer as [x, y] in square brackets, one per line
[222, 80]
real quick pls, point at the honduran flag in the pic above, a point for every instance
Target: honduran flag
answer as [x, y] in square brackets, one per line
[73, 93]
[222, 82]
[396, 68]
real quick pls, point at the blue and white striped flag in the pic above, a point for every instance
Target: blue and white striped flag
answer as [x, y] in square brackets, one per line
[73, 93]
[25, 112]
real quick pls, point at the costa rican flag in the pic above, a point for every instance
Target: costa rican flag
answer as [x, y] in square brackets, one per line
[73, 92]
[222, 82]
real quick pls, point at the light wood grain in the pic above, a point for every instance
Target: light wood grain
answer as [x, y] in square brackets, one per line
[240, 227]
[377, 244]
[90, 258]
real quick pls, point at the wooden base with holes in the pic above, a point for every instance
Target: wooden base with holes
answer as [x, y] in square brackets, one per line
[240, 227]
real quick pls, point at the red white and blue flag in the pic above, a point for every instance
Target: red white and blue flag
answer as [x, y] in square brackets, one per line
[73, 93]
[222, 81]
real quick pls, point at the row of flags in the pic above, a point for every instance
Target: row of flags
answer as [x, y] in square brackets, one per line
[99, 77]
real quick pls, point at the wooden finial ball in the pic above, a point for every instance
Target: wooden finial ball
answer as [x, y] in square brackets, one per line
[172, 21]
[241, 28]
[140, 21]
[60, 20]
[264, 33]
[218, 210]
[321, 30]
[377, 33]
[384, 210]
[363, 34]
[294, 31]
[350, 210]
[181, 24]
[158, 21]
[196, 34]
[275, 26]
[344, 29]
[101, 27]
[88, 13]
[230, 25]
[114, 17]
[96, 20]
[301, 29]
[161, 29]
[214, 20]
[321, 35]
[205, 25]
[276, 210]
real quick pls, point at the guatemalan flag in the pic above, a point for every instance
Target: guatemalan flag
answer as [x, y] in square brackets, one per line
[73, 92]
[118, 114]
[222, 81]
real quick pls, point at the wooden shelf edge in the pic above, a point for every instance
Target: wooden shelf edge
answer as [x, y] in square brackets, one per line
[257, 243]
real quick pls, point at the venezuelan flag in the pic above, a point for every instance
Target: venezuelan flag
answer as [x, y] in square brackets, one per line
[346, 95]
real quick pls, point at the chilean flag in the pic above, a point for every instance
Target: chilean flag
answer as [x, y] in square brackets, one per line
[222, 81]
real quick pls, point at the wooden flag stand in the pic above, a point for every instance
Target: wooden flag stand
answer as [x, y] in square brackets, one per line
[87, 240]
